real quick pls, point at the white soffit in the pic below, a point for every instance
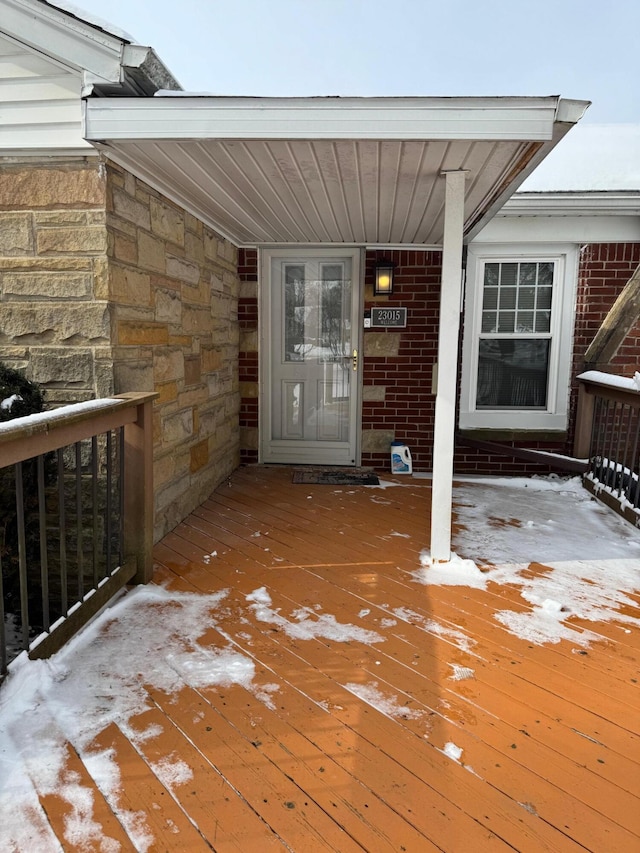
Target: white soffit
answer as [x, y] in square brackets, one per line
[329, 170]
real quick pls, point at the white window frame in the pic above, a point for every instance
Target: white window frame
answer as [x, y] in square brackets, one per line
[554, 417]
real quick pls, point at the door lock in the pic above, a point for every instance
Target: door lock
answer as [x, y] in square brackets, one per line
[355, 359]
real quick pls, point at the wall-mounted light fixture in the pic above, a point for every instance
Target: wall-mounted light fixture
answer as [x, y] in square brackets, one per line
[383, 282]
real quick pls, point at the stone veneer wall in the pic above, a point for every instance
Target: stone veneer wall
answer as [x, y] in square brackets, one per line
[106, 287]
[174, 300]
[54, 311]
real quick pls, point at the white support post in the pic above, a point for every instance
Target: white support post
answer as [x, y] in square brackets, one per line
[448, 337]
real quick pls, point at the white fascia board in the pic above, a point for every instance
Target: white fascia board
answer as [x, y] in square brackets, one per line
[211, 117]
[561, 229]
[63, 37]
[574, 204]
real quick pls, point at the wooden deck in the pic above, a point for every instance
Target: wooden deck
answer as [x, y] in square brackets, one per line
[445, 733]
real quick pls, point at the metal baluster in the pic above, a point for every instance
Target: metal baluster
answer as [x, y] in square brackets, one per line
[3, 639]
[635, 466]
[44, 555]
[62, 516]
[609, 479]
[94, 498]
[599, 427]
[121, 494]
[22, 557]
[625, 431]
[79, 521]
[109, 499]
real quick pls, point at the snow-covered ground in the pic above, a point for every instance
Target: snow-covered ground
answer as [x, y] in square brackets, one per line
[591, 555]
[593, 559]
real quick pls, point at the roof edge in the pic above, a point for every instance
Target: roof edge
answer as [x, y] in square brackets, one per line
[108, 61]
[576, 203]
[567, 114]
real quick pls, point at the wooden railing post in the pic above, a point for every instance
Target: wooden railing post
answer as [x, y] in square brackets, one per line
[584, 422]
[138, 487]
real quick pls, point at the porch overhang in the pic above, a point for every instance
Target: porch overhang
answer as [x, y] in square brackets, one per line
[429, 172]
[354, 171]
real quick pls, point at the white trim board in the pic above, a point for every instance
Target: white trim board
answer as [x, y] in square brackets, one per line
[561, 229]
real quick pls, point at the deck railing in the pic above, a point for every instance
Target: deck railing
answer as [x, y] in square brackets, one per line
[608, 434]
[77, 504]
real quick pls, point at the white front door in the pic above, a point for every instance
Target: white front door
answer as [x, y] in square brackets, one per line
[310, 359]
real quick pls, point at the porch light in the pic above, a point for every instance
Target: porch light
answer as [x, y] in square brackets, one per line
[383, 283]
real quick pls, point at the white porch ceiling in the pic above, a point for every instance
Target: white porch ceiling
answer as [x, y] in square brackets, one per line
[326, 170]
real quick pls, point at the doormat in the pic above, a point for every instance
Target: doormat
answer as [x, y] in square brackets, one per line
[335, 477]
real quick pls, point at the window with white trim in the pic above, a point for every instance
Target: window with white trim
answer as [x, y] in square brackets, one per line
[517, 339]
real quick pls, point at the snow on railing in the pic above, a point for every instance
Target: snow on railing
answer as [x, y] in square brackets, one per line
[609, 380]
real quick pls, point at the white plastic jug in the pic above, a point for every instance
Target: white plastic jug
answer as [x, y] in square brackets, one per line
[400, 458]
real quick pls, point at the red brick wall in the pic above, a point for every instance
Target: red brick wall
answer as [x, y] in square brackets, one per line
[605, 268]
[248, 366]
[408, 406]
[407, 410]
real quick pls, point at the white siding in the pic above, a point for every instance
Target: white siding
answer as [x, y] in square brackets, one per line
[40, 104]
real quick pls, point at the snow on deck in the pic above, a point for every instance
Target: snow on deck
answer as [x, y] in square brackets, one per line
[299, 664]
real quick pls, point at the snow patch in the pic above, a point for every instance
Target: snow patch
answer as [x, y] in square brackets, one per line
[172, 771]
[461, 673]
[389, 706]
[265, 694]
[452, 751]
[7, 404]
[309, 625]
[593, 591]
[454, 635]
[457, 572]
[95, 682]
[540, 518]
[588, 559]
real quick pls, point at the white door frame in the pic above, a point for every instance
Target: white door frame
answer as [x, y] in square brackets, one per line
[265, 352]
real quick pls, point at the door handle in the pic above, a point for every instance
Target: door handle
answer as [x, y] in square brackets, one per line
[353, 358]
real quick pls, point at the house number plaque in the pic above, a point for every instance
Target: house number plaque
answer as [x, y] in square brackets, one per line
[388, 317]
